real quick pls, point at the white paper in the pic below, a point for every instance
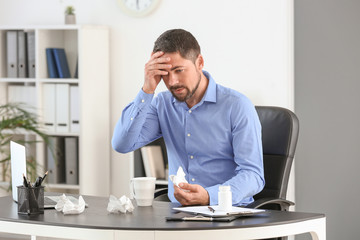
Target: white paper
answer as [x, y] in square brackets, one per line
[204, 210]
[66, 206]
[122, 204]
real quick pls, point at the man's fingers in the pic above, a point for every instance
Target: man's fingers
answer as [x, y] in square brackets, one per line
[156, 54]
[187, 186]
[158, 66]
[154, 73]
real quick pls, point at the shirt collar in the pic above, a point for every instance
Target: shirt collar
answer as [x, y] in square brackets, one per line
[210, 93]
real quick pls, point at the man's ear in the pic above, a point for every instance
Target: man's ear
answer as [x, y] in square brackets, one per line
[199, 63]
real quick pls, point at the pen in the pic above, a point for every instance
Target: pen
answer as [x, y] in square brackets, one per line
[39, 180]
[25, 183]
[211, 209]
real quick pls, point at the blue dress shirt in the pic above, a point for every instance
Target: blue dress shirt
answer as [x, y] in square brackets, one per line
[216, 142]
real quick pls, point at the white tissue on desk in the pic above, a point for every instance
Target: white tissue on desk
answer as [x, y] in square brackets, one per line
[66, 206]
[179, 178]
[122, 204]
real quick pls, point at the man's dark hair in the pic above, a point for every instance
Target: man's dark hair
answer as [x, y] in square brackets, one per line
[178, 40]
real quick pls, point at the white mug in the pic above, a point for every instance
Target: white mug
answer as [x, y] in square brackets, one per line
[143, 189]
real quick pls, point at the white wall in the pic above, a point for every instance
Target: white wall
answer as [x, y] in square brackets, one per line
[247, 45]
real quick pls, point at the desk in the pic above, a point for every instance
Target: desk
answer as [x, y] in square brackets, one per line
[149, 223]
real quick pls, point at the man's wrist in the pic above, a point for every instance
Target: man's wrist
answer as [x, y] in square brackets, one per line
[147, 90]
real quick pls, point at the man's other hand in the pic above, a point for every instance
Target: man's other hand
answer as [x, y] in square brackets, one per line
[196, 194]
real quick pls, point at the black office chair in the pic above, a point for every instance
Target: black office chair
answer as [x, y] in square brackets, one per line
[280, 129]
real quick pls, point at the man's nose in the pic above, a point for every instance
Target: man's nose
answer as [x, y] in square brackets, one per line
[173, 80]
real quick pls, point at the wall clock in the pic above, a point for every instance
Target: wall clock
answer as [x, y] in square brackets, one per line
[138, 8]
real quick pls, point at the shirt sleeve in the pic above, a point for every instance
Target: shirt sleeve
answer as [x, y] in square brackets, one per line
[248, 156]
[137, 126]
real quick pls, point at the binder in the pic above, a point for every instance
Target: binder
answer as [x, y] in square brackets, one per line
[153, 161]
[61, 62]
[22, 70]
[74, 109]
[71, 160]
[62, 108]
[12, 55]
[49, 104]
[30, 98]
[31, 54]
[51, 65]
[56, 160]
[14, 94]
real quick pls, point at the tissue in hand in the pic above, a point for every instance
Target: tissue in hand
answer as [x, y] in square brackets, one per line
[179, 177]
[66, 206]
[122, 204]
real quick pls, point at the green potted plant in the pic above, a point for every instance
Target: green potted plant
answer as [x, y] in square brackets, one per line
[15, 120]
[70, 17]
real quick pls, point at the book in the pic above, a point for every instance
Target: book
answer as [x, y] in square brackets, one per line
[61, 62]
[51, 66]
[153, 161]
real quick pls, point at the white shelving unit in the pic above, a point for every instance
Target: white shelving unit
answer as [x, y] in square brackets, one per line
[89, 46]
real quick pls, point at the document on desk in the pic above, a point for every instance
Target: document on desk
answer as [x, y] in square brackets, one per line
[213, 211]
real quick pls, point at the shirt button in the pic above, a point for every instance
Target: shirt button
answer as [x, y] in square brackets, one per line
[188, 135]
[142, 100]
[192, 157]
[190, 111]
[131, 119]
[193, 179]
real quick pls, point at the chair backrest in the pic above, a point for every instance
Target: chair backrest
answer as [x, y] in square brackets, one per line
[280, 129]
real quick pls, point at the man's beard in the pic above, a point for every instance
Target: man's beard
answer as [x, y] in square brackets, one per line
[189, 94]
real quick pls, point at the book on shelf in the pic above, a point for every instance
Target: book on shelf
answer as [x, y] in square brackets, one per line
[57, 63]
[51, 66]
[153, 161]
[61, 62]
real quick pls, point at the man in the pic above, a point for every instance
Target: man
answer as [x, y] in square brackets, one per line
[212, 132]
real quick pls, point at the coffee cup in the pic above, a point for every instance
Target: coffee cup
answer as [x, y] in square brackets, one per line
[143, 189]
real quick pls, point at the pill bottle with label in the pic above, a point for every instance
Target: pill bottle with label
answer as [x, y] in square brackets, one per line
[225, 198]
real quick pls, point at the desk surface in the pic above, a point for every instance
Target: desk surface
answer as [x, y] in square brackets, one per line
[143, 218]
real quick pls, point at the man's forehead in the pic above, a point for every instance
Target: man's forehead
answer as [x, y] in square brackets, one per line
[175, 57]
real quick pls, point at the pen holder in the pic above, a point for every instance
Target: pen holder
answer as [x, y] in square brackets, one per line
[30, 200]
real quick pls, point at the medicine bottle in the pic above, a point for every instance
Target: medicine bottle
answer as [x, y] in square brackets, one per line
[225, 198]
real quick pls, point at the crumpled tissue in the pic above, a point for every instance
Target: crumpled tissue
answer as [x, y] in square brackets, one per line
[122, 204]
[179, 178]
[66, 206]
